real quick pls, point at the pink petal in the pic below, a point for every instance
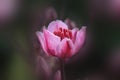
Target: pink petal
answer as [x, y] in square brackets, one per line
[50, 13]
[52, 42]
[80, 38]
[57, 75]
[71, 24]
[65, 48]
[74, 32]
[42, 40]
[55, 25]
[42, 66]
[70, 42]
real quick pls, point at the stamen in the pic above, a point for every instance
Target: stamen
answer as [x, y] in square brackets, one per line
[60, 29]
[62, 33]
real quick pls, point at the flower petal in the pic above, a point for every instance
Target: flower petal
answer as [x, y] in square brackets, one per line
[65, 48]
[74, 32]
[42, 40]
[42, 66]
[52, 42]
[55, 25]
[80, 38]
[71, 24]
[57, 75]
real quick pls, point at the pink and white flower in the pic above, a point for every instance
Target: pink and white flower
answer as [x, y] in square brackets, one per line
[57, 40]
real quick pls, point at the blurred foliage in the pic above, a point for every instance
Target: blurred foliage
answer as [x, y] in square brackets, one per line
[15, 40]
[18, 69]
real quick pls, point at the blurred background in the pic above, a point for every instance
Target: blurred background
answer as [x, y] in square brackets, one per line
[99, 59]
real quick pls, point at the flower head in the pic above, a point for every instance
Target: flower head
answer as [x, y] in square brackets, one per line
[57, 40]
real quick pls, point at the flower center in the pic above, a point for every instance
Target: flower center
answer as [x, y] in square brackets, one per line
[62, 33]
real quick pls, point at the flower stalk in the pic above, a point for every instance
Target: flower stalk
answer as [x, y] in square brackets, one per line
[62, 69]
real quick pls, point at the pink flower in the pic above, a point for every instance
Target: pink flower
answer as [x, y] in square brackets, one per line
[57, 40]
